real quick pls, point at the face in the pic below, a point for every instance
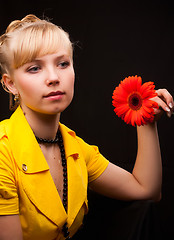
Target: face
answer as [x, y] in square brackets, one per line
[46, 85]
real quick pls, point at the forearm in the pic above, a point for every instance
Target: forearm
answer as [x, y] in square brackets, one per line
[148, 165]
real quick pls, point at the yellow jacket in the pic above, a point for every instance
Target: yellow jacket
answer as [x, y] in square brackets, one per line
[26, 185]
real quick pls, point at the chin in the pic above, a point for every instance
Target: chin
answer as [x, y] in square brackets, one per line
[54, 111]
[59, 109]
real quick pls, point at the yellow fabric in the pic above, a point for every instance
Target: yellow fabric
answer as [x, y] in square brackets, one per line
[26, 185]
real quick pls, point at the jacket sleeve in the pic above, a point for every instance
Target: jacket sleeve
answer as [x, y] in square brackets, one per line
[96, 163]
[9, 203]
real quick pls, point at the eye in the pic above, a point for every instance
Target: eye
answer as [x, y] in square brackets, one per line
[33, 69]
[64, 64]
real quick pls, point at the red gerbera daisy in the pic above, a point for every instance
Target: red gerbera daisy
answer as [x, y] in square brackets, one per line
[132, 101]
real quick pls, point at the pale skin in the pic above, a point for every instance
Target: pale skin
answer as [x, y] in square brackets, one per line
[54, 72]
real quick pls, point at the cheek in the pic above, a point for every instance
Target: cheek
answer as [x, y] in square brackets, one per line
[70, 82]
[26, 88]
[72, 85]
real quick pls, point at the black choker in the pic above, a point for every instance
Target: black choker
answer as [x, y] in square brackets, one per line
[59, 140]
[49, 141]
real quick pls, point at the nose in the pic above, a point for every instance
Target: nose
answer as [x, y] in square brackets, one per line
[52, 77]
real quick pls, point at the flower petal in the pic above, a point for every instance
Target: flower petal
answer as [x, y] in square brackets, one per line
[127, 117]
[147, 90]
[122, 109]
[139, 121]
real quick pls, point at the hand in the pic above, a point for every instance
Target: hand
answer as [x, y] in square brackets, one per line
[165, 103]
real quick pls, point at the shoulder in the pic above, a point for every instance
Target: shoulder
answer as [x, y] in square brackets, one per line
[6, 163]
[3, 125]
[5, 147]
[74, 143]
[64, 128]
[95, 162]
[70, 136]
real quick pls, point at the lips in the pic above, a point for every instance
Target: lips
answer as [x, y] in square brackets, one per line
[54, 95]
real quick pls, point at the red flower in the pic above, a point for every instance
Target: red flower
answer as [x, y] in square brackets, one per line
[132, 101]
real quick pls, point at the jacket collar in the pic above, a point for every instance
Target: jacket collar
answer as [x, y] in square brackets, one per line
[27, 153]
[22, 137]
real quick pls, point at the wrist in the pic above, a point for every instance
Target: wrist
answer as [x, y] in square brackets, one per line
[150, 126]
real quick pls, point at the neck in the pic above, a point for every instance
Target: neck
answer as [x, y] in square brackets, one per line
[43, 125]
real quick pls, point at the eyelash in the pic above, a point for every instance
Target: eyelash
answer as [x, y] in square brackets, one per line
[64, 64]
[35, 69]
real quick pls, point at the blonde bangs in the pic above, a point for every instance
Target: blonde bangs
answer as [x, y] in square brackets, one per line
[37, 40]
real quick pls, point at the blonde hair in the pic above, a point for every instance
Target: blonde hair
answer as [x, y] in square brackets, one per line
[26, 39]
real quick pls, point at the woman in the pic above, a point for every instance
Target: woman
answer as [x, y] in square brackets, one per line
[45, 168]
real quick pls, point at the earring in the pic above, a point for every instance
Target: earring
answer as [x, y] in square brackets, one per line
[14, 101]
[16, 98]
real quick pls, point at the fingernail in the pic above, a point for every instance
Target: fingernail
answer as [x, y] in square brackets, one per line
[170, 105]
[167, 109]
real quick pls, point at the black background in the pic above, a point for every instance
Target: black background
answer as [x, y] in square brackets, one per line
[113, 40]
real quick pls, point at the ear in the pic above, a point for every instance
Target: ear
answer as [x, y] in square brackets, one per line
[9, 83]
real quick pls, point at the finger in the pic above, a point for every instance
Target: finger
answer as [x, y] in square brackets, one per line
[163, 106]
[166, 96]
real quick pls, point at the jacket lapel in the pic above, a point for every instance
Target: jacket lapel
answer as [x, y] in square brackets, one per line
[77, 173]
[34, 170]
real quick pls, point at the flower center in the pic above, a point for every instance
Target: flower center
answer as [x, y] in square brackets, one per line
[135, 101]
